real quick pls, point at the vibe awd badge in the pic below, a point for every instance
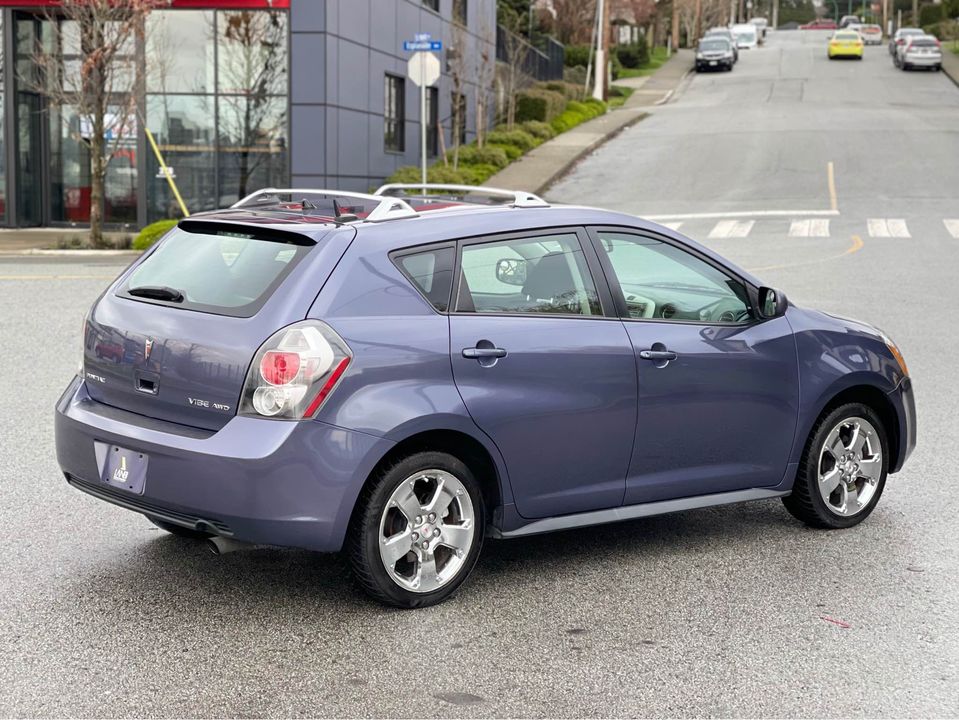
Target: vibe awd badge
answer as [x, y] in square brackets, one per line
[200, 402]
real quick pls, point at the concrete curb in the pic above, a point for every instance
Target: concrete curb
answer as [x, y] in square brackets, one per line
[950, 65]
[92, 254]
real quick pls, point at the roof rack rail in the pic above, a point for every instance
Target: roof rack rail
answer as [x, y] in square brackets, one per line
[392, 208]
[519, 198]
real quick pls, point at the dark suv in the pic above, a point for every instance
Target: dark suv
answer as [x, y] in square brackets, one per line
[404, 377]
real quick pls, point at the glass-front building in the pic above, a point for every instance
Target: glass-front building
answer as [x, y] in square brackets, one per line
[237, 95]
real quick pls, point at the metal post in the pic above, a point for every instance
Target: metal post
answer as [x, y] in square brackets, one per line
[775, 18]
[423, 124]
[600, 77]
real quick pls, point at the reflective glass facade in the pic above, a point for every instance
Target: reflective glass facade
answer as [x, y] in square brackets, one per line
[213, 91]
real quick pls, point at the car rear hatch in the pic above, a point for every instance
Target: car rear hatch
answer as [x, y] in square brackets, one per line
[173, 338]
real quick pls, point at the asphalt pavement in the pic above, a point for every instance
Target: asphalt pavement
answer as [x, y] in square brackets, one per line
[731, 611]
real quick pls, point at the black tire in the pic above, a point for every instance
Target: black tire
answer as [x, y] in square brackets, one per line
[364, 531]
[805, 502]
[178, 530]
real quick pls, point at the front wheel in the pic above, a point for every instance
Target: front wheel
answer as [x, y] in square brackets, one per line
[843, 469]
[418, 530]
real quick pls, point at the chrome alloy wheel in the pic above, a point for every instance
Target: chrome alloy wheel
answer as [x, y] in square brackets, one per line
[850, 466]
[426, 531]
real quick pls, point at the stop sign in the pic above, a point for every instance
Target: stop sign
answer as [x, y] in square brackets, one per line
[423, 68]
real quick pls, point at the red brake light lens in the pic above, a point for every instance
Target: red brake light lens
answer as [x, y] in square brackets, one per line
[294, 372]
[280, 368]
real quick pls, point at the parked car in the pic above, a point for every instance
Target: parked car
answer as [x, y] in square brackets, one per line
[337, 371]
[871, 34]
[726, 33]
[762, 25]
[819, 24]
[714, 53]
[845, 44]
[899, 38]
[847, 20]
[923, 51]
[746, 35]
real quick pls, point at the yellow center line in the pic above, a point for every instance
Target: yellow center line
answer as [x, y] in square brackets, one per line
[831, 178]
[856, 245]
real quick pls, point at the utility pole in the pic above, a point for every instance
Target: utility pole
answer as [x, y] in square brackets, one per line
[915, 13]
[599, 84]
[699, 19]
[674, 26]
[732, 12]
[775, 17]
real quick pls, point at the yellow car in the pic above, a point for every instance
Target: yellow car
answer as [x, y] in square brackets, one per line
[845, 43]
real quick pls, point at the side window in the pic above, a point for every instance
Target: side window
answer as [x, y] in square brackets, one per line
[545, 274]
[662, 282]
[431, 271]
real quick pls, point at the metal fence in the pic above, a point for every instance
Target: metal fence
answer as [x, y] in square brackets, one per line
[541, 64]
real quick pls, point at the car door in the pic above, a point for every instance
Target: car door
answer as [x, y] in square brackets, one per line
[543, 371]
[718, 389]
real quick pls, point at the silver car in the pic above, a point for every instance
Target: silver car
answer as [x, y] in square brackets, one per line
[900, 37]
[923, 51]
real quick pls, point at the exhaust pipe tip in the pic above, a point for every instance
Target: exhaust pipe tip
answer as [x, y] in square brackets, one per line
[219, 545]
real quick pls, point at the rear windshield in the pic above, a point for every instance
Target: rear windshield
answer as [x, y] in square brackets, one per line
[713, 45]
[923, 43]
[225, 273]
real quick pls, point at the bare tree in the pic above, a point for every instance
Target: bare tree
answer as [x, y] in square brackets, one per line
[91, 65]
[252, 66]
[485, 80]
[571, 21]
[458, 60]
[516, 50]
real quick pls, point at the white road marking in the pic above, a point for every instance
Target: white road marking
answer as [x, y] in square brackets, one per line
[952, 225]
[815, 227]
[742, 214]
[731, 229]
[884, 228]
[672, 225]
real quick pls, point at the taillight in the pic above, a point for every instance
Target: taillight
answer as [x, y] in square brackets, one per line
[295, 371]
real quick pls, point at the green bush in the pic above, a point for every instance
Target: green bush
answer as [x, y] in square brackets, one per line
[632, 56]
[472, 155]
[480, 173]
[153, 232]
[567, 120]
[570, 91]
[615, 65]
[538, 104]
[540, 130]
[434, 174]
[518, 138]
[930, 15]
[576, 56]
[512, 152]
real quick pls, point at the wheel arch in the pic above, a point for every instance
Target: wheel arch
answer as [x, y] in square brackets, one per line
[872, 397]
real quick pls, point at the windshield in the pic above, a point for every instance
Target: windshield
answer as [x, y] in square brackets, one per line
[227, 273]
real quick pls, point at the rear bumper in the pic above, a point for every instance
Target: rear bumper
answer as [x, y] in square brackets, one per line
[259, 481]
[719, 63]
[904, 401]
[922, 60]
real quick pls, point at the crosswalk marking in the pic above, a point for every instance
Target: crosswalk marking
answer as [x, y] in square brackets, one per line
[884, 228]
[816, 227]
[952, 225]
[732, 229]
[672, 225]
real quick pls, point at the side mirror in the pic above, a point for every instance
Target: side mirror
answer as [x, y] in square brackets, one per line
[772, 303]
[511, 271]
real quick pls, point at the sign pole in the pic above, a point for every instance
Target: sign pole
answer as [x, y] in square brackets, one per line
[423, 125]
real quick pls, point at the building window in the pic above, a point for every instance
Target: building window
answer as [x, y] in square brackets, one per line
[394, 114]
[460, 11]
[433, 5]
[458, 110]
[432, 121]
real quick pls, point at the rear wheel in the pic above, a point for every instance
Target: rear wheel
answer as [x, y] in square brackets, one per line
[418, 530]
[178, 530]
[843, 469]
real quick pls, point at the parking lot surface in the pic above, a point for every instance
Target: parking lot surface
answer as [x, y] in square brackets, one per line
[735, 610]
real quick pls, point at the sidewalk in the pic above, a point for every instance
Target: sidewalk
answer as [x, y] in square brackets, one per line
[48, 241]
[950, 62]
[542, 166]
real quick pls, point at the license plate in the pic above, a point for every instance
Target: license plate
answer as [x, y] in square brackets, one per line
[125, 469]
[712, 62]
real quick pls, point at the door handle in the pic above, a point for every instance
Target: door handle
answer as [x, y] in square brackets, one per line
[480, 353]
[658, 355]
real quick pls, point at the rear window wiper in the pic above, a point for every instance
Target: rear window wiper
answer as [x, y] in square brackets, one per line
[157, 292]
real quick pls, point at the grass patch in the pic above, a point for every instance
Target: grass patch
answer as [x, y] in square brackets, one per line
[656, 59]
[619, 94]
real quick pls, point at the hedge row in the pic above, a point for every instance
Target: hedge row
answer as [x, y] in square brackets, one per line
[477, 164]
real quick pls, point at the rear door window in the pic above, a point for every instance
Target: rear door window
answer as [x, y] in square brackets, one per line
[220, 272]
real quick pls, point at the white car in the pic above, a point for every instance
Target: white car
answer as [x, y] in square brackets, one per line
[923, 51]
[746, 34]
